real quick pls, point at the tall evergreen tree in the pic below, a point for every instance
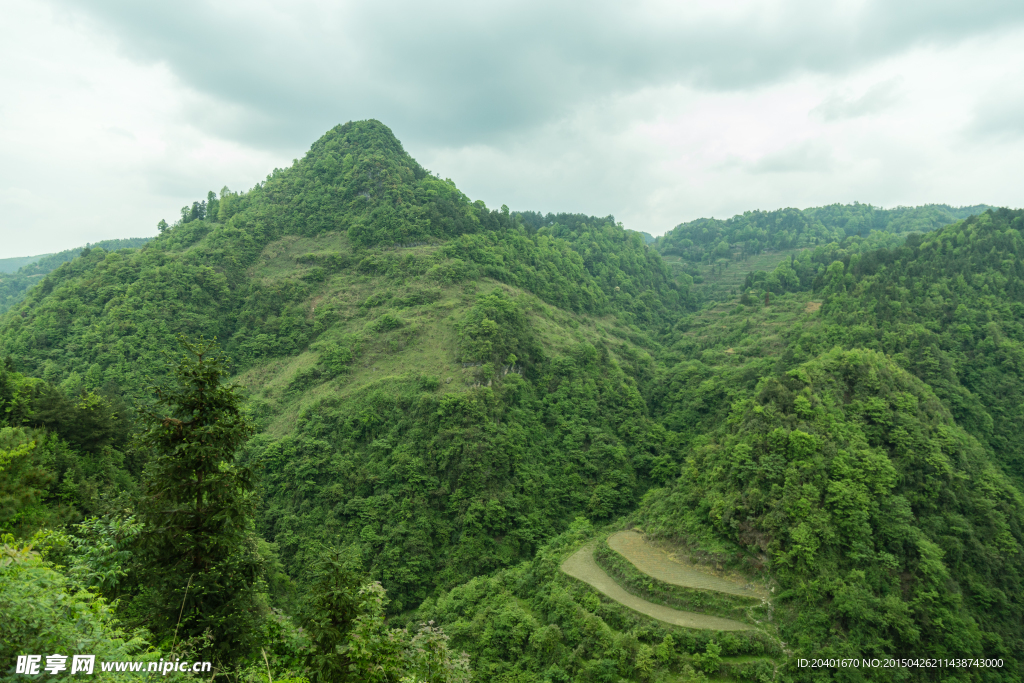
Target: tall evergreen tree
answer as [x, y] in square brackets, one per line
[199, 551]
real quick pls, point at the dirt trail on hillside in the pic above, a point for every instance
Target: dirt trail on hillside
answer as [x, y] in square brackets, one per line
[658, 564]
[582, 566]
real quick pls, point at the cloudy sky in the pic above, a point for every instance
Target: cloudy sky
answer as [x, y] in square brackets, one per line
[115, 113]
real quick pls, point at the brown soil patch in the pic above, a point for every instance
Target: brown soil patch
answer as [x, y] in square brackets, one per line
[582, 566]
[812, 306]
[657, 563]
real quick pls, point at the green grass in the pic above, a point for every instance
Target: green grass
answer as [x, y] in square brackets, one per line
[723, 280]
[346, 303]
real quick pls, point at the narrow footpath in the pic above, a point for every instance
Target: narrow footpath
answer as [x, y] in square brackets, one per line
[581, 565]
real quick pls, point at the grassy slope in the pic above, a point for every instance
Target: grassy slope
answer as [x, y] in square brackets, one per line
[353, 349]
[426, 346]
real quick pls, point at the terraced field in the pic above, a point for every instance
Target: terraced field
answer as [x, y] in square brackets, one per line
[581, 566]
[658, 564]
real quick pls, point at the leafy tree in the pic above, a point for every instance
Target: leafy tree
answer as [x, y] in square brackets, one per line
[199, 557]
[44, 612]
[103, 552]
[330, 612]
[495, 332]
[379, 654]
[26, 482]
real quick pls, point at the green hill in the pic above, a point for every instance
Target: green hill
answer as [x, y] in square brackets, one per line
[20, 274]
[428, 352]
[11, 265]
[754, 232]
[460, 402]
[711, 256]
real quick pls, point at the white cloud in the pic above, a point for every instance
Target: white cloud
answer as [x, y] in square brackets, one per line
[656, 113]
[875, 100]
[999, 113]
[94, 145]
[805, 157]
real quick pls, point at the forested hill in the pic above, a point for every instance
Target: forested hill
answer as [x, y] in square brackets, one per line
[400, 342]
[455, 400]
[11, 265]
[706, 239]
[358, 185]
[17, 281]
[862, 438]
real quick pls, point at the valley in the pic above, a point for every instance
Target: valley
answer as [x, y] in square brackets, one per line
[452, 442]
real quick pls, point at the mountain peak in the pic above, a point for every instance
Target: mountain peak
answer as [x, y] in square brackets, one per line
[360, 137]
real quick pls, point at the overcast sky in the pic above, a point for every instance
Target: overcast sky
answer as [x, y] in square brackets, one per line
[114, 114]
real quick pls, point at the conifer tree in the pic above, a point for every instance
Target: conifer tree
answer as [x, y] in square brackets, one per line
[199, 553]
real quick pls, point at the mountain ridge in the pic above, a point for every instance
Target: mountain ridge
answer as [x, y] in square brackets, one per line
[453, 399]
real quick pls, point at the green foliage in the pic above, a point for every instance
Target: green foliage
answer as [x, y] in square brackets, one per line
[588, 267]
[755, 231]
[379, 654]
[532, 622]
[330, 613]
[61, 457]
[44, 612]
[12, 264]
[103, 552]
[19, 278]
[710, 661]
[947, 307]
[26, 483]
[850, 475]
[443, 387]
[104, 318]
[197, 548]
[339, 355]
[496, 334]
[438, 488]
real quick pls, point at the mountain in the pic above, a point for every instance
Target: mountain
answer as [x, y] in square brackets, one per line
[905, 368]
[11, 265]
[756, 231]
[844, 444]
[710, 257]
[22, 273]
[406, 350]
[470, 405]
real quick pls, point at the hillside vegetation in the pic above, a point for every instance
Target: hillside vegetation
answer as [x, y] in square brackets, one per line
[447, 402]
[754, 232]
[18, 275]
[712, 256]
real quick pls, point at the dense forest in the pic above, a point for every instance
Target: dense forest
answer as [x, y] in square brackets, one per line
[17, 275]
[352, 426]
[753, 232]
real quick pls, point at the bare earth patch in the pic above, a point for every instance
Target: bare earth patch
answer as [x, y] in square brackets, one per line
[581, 565]
[660, 565]
[812, 306]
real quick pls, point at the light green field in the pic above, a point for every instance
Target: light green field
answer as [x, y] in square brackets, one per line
[657, 563]
[425, 344]
[581, 565]
[728, 276]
